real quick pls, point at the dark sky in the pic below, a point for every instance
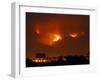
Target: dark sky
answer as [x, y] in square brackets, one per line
[56, 34]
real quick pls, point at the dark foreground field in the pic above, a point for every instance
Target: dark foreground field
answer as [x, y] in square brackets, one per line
[70, 60]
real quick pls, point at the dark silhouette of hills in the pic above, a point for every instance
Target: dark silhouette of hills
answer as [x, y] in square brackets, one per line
[62, 60]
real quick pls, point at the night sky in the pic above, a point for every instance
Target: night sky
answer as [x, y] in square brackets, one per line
[56, 34]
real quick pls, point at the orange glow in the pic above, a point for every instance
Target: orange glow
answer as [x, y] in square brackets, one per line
[56, 37]
[44, 60]
[39, 60]
[82, 33]
[50, 38]
[73, 35]
[36, 60]
[37, 31]
[53, 37]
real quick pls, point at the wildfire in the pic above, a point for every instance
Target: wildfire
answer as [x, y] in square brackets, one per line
[39, 60]
[50, 38]
[37, 31]
[53, 37]
[73, 35]
[56, 37]
[76, 34]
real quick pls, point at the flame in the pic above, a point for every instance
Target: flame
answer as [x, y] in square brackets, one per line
[37, 31]
[53, 37]
[56, 37]
[39, 60]
[73, 35]
[50, 38]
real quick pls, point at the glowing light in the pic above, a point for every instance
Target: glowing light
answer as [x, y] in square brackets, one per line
[73, 35]
[50, 38]
[37, 31]
[53, 37]
[56, 37]
[37, 60]
[44, 60]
